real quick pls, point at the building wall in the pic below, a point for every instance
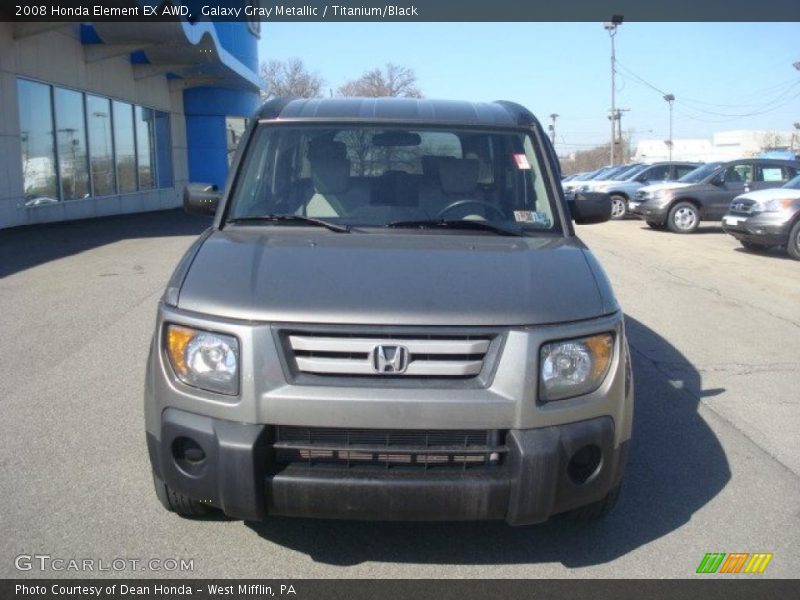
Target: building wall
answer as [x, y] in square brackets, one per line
[58, 57]
[724, 145]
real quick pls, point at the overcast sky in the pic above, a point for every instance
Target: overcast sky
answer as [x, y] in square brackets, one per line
[717, 71]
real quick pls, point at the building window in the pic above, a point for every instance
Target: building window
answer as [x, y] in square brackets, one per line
[101, 145]
[145, 151]
[163, 150]
[124, 147]
[76, 145]
[38, 151]
[73, 166]
[234, 130]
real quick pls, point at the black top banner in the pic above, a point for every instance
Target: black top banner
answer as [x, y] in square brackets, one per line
[401, 10]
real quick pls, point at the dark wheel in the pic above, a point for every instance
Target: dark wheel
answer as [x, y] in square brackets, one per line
[793, 245]
[684, 217]
[597, 510]
[654, 225]
[752, 246]
[178, 503]
[619, 207]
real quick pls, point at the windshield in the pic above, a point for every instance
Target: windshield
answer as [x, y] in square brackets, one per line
[601, 174]
[628, 173]
[700, 173]
[793, 184]
[371, 176]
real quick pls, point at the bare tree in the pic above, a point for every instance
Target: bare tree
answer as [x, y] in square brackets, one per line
[393, 80]
[594, 158]
[774, 140]
[290, 78]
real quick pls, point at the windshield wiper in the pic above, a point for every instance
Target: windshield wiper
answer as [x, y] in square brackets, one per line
[454, 224]
[293, 218]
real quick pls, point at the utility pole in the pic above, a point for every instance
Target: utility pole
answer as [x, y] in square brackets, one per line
[552, 128]
[611, 27]
[618, 138]
[670, 98]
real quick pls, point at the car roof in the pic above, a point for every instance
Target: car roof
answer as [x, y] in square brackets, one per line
[764, 161]
[404, 110]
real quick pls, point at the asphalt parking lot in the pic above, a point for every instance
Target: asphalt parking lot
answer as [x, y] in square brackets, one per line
[715, 463]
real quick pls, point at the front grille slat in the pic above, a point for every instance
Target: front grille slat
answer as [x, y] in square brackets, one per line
[389, 448]
[371, 355]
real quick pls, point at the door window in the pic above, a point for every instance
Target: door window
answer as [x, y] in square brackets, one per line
[681, 170]
[741, 173]
[658, 173]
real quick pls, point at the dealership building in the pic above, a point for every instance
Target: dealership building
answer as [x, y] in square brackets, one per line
[109, 118]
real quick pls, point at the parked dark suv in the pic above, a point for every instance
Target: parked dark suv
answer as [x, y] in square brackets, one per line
[706, 193]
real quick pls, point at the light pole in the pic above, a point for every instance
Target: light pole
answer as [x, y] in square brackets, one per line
[611, 27]
[552, 128]
[670, 98]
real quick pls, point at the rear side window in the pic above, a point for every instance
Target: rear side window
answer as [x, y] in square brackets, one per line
[773, 173]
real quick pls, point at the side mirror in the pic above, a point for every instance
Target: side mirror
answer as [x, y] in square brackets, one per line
[590, 207]
[718, 181]
[201, 198]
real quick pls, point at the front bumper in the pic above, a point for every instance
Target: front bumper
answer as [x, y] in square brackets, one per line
[649, 210]
[240, 476]
[770, 229]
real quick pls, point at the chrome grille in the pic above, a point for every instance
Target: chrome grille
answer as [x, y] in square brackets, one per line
[418, 449]
[388, 355]
[743, 206]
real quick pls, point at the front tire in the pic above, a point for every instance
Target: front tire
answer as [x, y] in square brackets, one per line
[793, 245]
[619, 207]
[684, 217]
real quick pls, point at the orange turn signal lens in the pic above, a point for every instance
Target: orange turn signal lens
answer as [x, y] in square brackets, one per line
[177, 339]
[602, 349]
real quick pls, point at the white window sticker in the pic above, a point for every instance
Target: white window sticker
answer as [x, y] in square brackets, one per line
[522, 162]
[529, 216]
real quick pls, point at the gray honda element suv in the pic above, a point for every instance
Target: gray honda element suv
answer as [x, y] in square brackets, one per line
[391, 317]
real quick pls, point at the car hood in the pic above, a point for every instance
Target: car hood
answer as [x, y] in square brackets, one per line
[762, 196]
[284, 274]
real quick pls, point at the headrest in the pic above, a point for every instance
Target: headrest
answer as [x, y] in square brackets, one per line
[330, 175]
[430, 165]
[322, 148]
[458, 175]
[485, 174]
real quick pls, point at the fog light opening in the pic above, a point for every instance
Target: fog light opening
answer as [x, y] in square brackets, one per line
[584, 464]
[188, 454]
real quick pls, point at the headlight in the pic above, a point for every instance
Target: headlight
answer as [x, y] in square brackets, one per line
[202, 359]
[658, 194]
[574, 367]
[778, 205]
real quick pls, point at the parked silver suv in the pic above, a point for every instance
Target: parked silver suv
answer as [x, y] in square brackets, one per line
[390, 318]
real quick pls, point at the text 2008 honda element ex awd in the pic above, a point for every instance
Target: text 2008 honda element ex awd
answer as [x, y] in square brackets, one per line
[391, 318]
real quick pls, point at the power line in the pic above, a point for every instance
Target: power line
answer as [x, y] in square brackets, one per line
[762, 108]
